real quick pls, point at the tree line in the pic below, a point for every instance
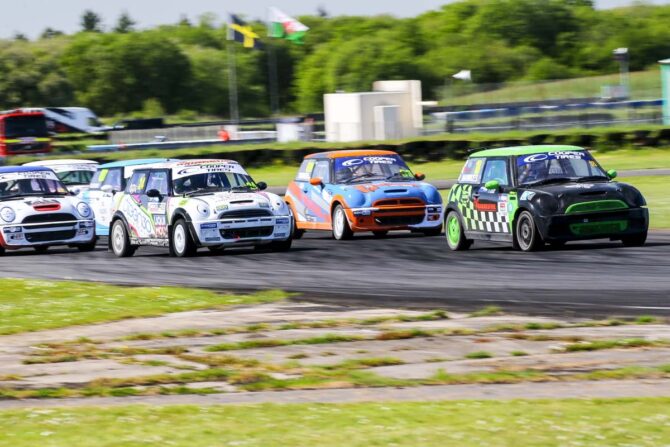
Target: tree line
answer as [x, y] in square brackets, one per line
[183, 67]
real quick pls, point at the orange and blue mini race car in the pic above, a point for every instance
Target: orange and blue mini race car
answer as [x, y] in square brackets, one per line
[362, 190]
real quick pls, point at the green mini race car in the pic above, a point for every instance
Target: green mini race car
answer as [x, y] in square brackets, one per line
[530, 195]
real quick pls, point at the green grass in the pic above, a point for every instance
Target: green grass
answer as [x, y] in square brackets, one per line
[479, 355]
[655, 191]
[548, 423]
[644, 85]
[37, 305]
[597, 345]
[487, 311]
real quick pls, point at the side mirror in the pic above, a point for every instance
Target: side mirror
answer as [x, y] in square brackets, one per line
[107, 188]
[153, 193]
[419, 176]
[612, 174]
[262, 185]
[315, 181]
[492, 184]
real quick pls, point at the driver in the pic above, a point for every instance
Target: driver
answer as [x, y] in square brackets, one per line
[531, 172]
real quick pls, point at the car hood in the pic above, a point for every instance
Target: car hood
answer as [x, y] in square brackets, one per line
[365, 194]
[33, 205]
[571, 193]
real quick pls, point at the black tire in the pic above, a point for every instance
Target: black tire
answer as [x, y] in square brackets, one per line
[281, 245]
[2, 251]
[341, 228]
[380, 233]
[433, 231]
[454, 232]
[636, 240]
[526, 234]
[181, 242]
[90, 246]
[42, 249]
[119, 240]
[297, 233]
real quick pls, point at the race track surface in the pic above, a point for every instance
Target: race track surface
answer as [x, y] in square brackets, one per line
[586, 278]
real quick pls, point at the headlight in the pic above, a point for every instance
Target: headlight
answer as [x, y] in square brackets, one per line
[83, 209]
[546, 203]
[633, 196]
[7, 214]
[203, 209]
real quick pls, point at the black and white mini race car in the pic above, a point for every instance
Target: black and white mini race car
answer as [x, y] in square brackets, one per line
[530, 195]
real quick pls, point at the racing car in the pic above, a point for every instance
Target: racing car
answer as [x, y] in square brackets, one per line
[75, 174]
[108, 180]
[532, 195]
[37, 211]
[185, 205]
[352, 191]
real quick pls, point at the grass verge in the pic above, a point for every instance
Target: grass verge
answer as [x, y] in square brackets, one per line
[549, 423]
[38, 305]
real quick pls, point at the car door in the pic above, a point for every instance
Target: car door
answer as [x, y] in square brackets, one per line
[319, 195]
[154, 200]
[105, 183]
[489, 206]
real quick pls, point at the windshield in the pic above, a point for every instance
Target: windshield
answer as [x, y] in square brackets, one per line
[75, 177]
[25, 126]
[20, 185]
[214, 182]
[373, 167]
[557, 166]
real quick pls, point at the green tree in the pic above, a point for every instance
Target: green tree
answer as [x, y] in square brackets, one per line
[125, 24]
[91, 22]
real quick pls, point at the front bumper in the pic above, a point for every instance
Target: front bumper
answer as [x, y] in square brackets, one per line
[241, 231]
[610, 224]
[384, 218]
[72, 232]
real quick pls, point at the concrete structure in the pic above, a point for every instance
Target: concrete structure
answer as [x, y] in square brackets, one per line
[665, 79]
[392, 110]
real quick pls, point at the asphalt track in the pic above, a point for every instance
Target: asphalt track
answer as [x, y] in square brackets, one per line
[600, 278]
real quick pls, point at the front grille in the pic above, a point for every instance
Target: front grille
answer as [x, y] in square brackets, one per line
[599, 205]
[245, 214]
[50, 236]
[594, 228]
[399, 220]
[396, 202]
[51, 220]
[247, 233]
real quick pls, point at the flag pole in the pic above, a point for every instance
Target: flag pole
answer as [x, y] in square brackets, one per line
[272, 71]
[232, 85]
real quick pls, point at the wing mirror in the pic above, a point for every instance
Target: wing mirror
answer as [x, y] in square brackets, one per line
[262, 186]
[419, 176]
[316, 181]
[107, 188]
[492, 184]
[154, 193]
[612, 174]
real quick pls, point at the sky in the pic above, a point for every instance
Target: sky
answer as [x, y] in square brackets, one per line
[31, 17]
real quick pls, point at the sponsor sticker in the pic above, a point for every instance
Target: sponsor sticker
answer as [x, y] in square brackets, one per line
[156, 207]
[527, 195]
[28, 175]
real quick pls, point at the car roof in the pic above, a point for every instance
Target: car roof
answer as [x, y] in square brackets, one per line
[124, 163]
[350, 153]
[524, 150]
[171, 164]
[8, 169]
[60, 162]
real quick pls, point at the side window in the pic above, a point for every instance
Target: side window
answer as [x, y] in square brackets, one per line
[472, 171]
[137, 183]
[305, 171]
[496, 170]
[322, 170]
[114, 177]
[158, 180]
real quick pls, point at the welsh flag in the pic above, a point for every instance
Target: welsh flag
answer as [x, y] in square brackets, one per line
[285, 26]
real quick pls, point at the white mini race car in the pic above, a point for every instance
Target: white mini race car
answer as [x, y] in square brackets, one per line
[37, 211]
[75, 174]
[185, 205]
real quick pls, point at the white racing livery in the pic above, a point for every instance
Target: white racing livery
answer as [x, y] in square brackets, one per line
[37, 211]
[185, 205]
[75, 174]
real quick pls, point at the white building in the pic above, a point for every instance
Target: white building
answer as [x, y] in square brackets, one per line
[392, 110]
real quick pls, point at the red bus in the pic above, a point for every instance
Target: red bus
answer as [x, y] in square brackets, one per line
[23, 132]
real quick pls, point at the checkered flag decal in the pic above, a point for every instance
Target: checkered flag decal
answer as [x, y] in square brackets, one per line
[489, 221]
